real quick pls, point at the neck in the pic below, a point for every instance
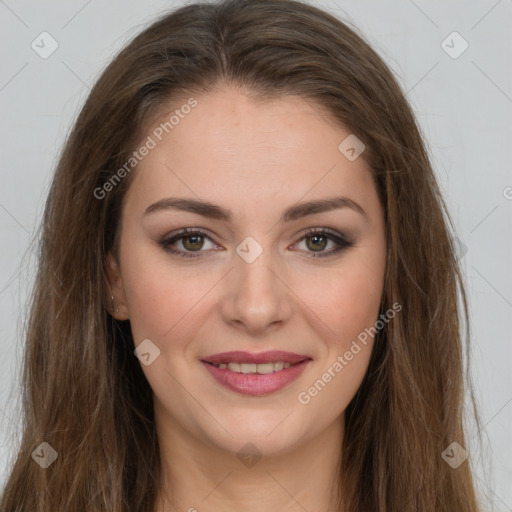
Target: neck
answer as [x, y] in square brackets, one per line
[199, 476]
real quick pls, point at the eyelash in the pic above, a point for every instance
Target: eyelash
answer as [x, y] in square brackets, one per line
[340, 240]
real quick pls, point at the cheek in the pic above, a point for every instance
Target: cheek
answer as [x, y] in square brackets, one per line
[349, 307]
[359, 299]
[345, 300]
[158, 296]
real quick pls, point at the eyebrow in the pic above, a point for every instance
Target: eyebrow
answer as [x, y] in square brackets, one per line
[213, 211]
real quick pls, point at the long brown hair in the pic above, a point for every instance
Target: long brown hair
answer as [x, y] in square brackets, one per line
[84, 392]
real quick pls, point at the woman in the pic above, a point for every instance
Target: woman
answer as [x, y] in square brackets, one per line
[247, 289]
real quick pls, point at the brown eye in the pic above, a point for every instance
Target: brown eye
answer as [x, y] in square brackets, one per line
[188, 243]
[193, 242]
[318, 242]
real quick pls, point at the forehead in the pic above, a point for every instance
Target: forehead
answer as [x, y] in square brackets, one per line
[233, 150]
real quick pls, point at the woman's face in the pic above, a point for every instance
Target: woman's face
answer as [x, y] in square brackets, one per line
[246, 179]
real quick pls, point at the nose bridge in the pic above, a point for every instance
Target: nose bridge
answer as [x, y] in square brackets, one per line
[256, 296]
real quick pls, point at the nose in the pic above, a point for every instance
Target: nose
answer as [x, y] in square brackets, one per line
[255, 295]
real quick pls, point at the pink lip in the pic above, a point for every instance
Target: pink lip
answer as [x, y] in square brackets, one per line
[255, 384]
[249, 357]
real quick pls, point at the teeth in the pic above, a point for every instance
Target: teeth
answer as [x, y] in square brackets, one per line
[261, 368]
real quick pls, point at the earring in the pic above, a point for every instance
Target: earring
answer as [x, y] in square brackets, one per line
[112, 307]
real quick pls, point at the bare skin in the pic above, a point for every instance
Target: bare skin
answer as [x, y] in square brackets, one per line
[257, 160]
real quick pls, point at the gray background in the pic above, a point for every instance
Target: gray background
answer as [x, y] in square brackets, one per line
[463, 104]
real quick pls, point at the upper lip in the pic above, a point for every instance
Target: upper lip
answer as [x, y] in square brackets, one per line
[256, 358]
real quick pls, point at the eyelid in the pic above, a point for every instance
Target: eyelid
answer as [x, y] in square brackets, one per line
[341, 240]
[182, 233]
[325, 230]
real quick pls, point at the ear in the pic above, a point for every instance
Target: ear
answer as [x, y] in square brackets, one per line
[116, 290]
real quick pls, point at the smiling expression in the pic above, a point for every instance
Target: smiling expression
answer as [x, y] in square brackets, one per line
[284, 251]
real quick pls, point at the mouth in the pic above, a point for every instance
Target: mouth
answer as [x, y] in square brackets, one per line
[255, 374]
[249, 363]
[251, 368]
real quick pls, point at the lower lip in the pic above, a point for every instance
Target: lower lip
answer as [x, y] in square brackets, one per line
[255, 384]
